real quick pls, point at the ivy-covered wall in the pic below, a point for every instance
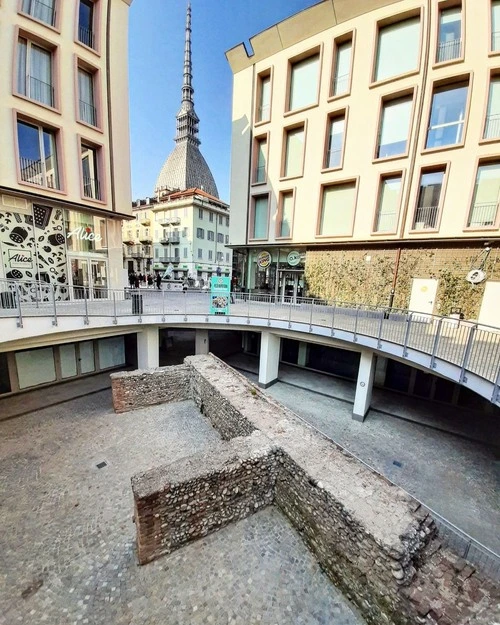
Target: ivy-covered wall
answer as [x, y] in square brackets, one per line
[365, 276]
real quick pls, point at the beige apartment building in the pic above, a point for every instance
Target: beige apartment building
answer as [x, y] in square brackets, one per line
[365, 155]
[65, 159]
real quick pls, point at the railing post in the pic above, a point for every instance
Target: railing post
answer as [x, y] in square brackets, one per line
[435, 345]
[53, 289]
[86, 320]
[163, 305]
[379, 337]
[248, 307]
[185, 305]
[115, 320]
[20, 314]
[496, 389]
[311, 316]
[269, 312]
[407, 335]
[468, 349]
[290, 313]
[333, 319]
[355, 337]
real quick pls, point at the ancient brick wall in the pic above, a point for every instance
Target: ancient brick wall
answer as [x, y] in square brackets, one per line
[135, 389]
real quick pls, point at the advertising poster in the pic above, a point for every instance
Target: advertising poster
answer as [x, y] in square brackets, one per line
[220, 295]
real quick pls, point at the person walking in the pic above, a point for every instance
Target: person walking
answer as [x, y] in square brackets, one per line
[136, 282]
[131, 279]
[158, 281]
[150, 280]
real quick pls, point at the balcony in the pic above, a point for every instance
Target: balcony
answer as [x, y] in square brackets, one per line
[92, 188]
[483, 215]
[175, 221]
[174, 238]
[40, 91]
[425, 218]
[492, 128]
[175, 260]
[129, 242]
[88, 113]
[86, 36]
[145, 222]
[449, 50]
[146, 240]
[164, 241]
[138, 251]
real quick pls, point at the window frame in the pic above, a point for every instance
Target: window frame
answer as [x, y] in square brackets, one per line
[443, 6]
[200, 233]
[286, 130]
[279, 214]
[491, 50]
[338, 113]
[96, 19]
[493, 75]
[20, 116]
[56, 26]
[336, 183]
[251, 217]
[255, 160]
[411, 92]
[349, 35]
[82, 64]
[266, 73]
[101, 170]
[429, 169]
[48, 46]
[307, 54]
[482, 160]
[383, 176]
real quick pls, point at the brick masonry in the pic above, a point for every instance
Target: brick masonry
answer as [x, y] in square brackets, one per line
[372, 539]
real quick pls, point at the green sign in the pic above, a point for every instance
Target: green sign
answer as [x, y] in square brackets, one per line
[220, 295]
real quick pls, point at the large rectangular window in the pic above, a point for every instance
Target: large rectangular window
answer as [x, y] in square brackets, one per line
[294, 152]
[492, 125]
[388, 204]
[342, 73]
[398, 49]
[260, 163]
[483, 211]
[450, 35]
[495, 25]
[429, 197]
[447, 115]
[87, 109]
[304, 77]
[37, 155]
[264, 99]
[260, 218]
[337, 210]
[90, 172]
[285, 216]
[335, 142]
[34, 72]
[40, 10]
[394, 127]
[86, 34]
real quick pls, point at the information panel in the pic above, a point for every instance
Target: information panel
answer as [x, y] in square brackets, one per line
[220, 295]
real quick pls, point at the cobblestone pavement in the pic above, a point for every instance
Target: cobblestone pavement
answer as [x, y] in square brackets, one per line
[67, 546]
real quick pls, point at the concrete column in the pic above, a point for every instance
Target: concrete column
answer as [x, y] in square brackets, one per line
[380, 371]
[201, 343]
[148, 348]
[269, 359]
[302, 357]
[364, 385]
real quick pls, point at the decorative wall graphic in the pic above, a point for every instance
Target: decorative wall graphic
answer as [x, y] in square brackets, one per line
[20, 258]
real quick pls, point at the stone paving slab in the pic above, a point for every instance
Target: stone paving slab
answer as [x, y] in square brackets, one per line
[67, 546]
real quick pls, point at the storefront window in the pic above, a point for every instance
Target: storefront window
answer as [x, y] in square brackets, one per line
[85, 233]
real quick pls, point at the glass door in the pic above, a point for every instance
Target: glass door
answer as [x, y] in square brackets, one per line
[89, 278]
[99, 273]
[80, 277]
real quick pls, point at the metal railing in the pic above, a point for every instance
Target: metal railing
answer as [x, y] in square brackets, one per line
[88, 113]
[492, 127]
[425, 217]
[341, 84]
[91, 188]
[36, 173]
[449, 50]
[386, 222]
[40, 91]
[473, 347]
[86, 36]
[483, 214]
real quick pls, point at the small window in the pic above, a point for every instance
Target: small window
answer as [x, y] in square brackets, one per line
[226, 239]
[450, 35]
[43, 11]
[184, 252]
[177, 253]
[90, 173]
[86, 34]
[220, 238]
[184, 232]
[200, 214]
[220, 257]
[285, 216]
[200, 233]
[294, 152]
[447, 115]
[335, 143]
[87, 109]
[210, 254]
[260, 163]
[429, 198]
[398, 49]
[388, 204]
[220, 220]
[210, 217]
[492, 126]
[264, 99]
[34, 72]
[38, 155]
[304, 79]
[337, 209]
[484, 208]
[227, 222]
[260, 217]
[227, 257]
[342, 74]
[210, 235]
[200, 253]
[495, 25]
[394, 127]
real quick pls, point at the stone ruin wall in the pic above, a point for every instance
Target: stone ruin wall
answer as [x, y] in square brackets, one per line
[372, 539]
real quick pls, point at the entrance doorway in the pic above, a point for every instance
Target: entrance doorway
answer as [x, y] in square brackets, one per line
[423, 295]
[89, 278]
[291, 285]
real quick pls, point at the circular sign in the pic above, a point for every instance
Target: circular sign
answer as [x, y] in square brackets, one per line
[293, 259]
[263, 259]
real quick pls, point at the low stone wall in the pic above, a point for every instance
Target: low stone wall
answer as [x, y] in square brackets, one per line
[135, 389]
[195, 496]
[372, 539]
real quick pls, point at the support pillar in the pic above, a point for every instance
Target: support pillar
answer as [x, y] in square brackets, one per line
[380, 371]
[201, 343]
[364, 385]
[302, 356]
[148, 348]
[269, 359]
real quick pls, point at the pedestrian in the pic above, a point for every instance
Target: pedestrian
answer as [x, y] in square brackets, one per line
[136, 282]
[158, 281]
[131, 279]
[140, 277]
[150, 280]
[184, 286]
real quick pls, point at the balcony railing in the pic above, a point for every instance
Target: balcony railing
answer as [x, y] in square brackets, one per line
[341, 84]
[86, 36]
[425, 218]
[386, 222]
[449, 50]
[137, 251]
[88, 113]
[483, 214]
[495, 41]
[40, 11]
[92, 188]
[40, 91]
[34, 172]
[169, 259]
[174, 238]
[492, 127]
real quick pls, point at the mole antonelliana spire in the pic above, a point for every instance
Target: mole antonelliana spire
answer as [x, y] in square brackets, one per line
[185, 168]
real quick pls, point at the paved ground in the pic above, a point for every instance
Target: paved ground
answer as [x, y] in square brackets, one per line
[67, 541]
[456, 477]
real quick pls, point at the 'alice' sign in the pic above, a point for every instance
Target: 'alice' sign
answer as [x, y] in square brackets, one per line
[84, 234]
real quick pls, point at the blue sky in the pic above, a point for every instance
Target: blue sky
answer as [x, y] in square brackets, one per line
[156, 53]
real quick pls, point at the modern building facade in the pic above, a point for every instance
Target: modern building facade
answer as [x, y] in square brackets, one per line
[183, 229]
[365, 155]
[64, 174]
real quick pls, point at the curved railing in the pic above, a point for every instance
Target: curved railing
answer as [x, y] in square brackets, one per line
[471, 346]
